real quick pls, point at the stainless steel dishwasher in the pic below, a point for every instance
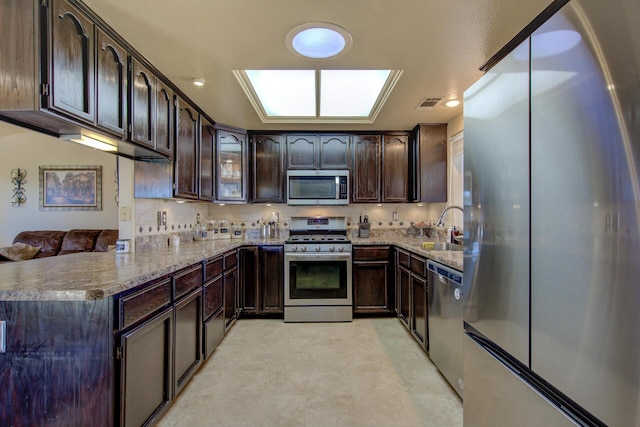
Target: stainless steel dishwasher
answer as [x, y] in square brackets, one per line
[446, 329]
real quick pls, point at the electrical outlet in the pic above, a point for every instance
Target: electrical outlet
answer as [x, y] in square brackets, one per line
[159, 218]
[125, 213]
[164, 218]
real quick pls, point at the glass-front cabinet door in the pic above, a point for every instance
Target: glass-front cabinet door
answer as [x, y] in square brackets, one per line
[231, 165]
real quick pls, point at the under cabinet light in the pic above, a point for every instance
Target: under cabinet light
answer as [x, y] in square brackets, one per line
[90, 142]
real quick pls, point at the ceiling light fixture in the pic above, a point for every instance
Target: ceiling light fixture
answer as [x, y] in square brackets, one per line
[318, 40]
[198, 82]
[452, 103]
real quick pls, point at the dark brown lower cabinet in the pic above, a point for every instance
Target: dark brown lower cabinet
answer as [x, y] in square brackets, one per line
[419, 309]
[145, 375]
[262, 279]
[373, 286]
[404, 297]
[412, 291]
[230, 280]
[213, 313]
[188, 338]
[272, 279]
[248, 275]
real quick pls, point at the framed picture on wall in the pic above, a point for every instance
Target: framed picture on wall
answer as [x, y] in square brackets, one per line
[68, 188]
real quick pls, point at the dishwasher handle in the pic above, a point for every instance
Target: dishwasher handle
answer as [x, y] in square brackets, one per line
[443, 271]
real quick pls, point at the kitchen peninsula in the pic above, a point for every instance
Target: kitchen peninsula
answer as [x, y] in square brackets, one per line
[71, 326]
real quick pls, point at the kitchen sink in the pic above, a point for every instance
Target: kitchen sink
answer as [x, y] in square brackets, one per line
[438, 246]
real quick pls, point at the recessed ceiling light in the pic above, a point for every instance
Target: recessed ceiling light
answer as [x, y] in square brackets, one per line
[452, 103]
[198, 82]
[318, 40]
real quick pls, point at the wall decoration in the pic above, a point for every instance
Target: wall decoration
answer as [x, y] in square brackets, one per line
[18, 179]
[66, 188]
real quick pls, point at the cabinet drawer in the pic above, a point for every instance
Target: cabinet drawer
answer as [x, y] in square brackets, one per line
[371, 253]
[187, 280]
[403, 258]
[230, 260]
[212, 267]
[419, 266]
[213, 296]
[138, 305]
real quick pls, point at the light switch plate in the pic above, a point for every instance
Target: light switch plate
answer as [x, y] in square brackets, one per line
[3, 336]
[125, 213]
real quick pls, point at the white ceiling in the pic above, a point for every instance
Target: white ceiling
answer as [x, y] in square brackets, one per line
[439, 45]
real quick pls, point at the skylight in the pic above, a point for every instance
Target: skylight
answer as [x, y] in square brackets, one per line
[317, 96]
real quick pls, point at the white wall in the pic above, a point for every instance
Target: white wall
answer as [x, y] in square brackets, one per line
[28, 150]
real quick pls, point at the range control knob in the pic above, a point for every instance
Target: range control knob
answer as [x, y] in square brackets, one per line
[303, 248]
[341, 249]
[294, 248]
[332, 249]
[318, 248]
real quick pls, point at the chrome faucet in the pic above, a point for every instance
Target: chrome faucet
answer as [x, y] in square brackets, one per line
[440, 221]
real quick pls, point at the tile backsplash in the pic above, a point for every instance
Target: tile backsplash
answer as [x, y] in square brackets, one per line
[181, 217]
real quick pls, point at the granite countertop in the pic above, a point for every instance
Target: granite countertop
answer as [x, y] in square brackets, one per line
[97, 275]
[451, 259]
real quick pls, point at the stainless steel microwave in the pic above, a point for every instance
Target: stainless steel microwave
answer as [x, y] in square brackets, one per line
[318, 187]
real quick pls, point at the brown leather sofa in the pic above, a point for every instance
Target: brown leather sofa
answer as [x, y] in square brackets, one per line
[54, 243]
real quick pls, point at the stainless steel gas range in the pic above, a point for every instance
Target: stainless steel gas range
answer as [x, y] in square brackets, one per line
[317, 271]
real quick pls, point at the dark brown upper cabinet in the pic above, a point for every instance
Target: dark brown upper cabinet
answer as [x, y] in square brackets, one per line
[395, 167]
[323, 151]
[72, 61]
[366, 168]
[164, 116]
[66, 72]
[302, 151]
[334, 151]
[429, 163]
[186, 157]
[111, 85]
[207, 160]
[231, 165]
[143, 91]
[267, 168]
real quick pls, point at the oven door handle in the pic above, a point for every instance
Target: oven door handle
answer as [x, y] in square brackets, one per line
[331, 256]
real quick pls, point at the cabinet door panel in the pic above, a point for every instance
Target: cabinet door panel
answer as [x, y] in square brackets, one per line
[419, 310]
[145, 377]
[213, 332]
[404, 298]
[185, 165]
[432, 163]
[267, 169]
[370, 281]
[249, 300]
[188, 333]
[207, 161]
[231, 167]
[272, 278]
[301, 151]
[395, 172]
[111, 85]
[164, 119]
[72, 61]
[213, 296]
[230, 297]
[334, 151]
[366, 168]
[142, 104]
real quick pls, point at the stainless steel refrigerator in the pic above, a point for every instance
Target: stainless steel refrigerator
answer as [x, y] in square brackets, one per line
[552, 223]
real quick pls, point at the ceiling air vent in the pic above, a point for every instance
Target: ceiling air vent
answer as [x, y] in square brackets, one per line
[428, 102]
